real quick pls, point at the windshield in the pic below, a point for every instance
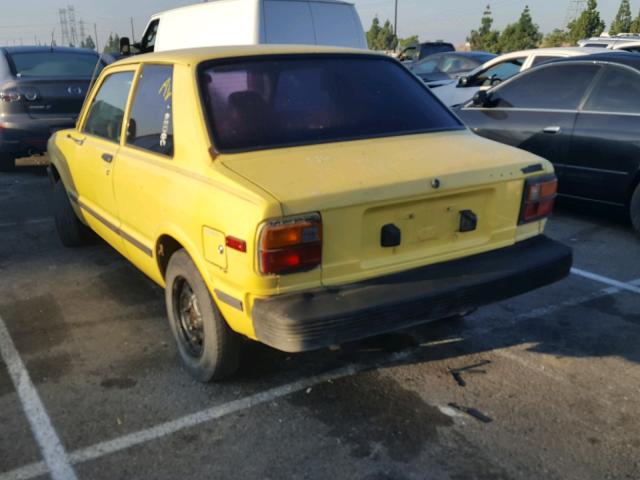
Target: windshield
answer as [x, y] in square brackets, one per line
[53, 64]
[294, 100]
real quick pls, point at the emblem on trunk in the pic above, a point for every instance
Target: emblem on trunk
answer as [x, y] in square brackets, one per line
[435, 183]
[74, 90]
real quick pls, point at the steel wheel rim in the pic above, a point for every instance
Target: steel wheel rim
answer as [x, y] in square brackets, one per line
[189, 316]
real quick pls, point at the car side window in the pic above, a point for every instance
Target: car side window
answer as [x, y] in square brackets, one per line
[107, 108]
[151, 120]
[456, 63]
[427, 66]
[498, 73]
[538, 59]
[618, 90]
[546, 88]
[149, 39]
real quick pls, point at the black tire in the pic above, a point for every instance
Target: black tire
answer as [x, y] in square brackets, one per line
[72, 232]
[7, 163]
[634, 209]
[209, 349]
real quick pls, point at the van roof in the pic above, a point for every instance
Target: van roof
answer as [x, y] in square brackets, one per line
[210, 2]
[197, 55]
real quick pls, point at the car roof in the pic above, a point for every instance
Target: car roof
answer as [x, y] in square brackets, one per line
[192, 56]
[613, 56]
[37, 49]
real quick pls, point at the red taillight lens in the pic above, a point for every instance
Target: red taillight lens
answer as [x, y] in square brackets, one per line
[539, 198]
[290, 245]
[10, 95]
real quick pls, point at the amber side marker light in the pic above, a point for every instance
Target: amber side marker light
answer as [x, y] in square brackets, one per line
[290, 245]
[539, 198]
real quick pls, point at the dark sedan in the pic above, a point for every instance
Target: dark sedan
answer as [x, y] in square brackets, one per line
[41, 91]
[582, 114]
[449, 65]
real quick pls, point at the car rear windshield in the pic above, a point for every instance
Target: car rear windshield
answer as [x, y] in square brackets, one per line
[52, 64]
[296, 100]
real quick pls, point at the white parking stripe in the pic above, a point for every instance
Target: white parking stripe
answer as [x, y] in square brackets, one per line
[51, 448]
[606, 280]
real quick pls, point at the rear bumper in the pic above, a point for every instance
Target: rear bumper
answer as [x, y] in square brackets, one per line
[22, 135]
[331, 316]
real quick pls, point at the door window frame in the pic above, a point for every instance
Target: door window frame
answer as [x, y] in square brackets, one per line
[82, 121]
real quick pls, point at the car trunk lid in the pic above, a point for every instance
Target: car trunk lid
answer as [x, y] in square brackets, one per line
[421, 185]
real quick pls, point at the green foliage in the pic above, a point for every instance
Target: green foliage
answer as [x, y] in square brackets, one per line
[381, 38]
[485, 38]
[406, 42]
[588, 24]
[622, 22]
[635, 25]
[557, 38]
[522, 35]
[88, 43]
[113, 44]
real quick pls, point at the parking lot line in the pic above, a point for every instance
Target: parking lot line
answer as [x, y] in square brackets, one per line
[606, 280]
[33, 221]
[53, 452]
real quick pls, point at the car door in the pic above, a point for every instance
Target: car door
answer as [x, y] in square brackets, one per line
[145, 162]
[535, 111]
[605, 149]
[96, 149]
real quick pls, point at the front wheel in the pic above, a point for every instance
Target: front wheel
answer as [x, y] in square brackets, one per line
[634, 209]
[209, 349]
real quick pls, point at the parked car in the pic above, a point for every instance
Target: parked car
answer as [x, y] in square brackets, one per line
[628, 46]
[415, 53]
[294, 195]
[582, 114]
[41, 91]
[449, 65]
[608, 41]
[248, 22]
[500, 69]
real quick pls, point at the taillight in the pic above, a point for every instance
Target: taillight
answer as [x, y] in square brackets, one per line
[10, 95]
[290, 245]
[539, 198]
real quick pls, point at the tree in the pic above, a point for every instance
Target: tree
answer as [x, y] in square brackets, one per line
[635, 25]
[484, 38]
[557, 38]
[113, 44]
[588, 24]
[406, 42]
[88, 43]
[381, 38]
[622, 22]
[522, 35]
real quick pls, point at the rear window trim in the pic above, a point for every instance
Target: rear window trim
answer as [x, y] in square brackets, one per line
[236, 60]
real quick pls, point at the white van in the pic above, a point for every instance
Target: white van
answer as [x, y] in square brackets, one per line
[247, 22]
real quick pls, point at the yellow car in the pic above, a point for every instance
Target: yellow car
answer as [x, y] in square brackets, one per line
[299, 196]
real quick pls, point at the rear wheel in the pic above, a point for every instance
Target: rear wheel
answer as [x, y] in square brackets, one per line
[7, 162]
[71, 230]
[209, 349]
[634, 209]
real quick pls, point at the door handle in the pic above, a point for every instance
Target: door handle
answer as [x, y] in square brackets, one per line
[552, 130]
[107, 157]
[78, 141]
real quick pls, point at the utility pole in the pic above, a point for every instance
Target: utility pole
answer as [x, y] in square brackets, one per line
[95, 33]
[395, 25]
[133, 35]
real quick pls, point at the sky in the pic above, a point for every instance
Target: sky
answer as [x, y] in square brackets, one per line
[29, 20]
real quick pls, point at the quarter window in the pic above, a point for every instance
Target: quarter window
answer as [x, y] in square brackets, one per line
[618, 90]
[538, 59]
[107, 109]
[546, 88]
[151, 121]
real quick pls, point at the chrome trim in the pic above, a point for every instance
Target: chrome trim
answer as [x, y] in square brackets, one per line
[602, 170]
[229, 300]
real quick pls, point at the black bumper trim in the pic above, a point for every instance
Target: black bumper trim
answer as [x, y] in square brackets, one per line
[331, 316]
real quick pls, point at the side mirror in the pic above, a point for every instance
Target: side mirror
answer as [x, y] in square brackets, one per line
[482, 98]
[125, 46]
[463, 81]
